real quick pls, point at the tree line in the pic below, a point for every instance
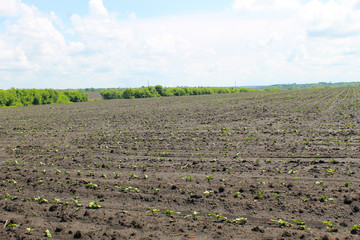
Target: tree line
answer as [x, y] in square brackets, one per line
[27, 97]
[159, 91]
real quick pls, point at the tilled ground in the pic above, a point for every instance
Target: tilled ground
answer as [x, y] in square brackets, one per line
[263, 165]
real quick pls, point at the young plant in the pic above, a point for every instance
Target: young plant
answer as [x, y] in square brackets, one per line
[258, 194]
[41, 200]
[301, 225]
[8, 196]
[12, 226]
[188, 178]
[281, 223]
[239, 220]
[153, 211]
[194, 215]
[170, 213]
[331, 227]
[156, 190]
[209, 178]
[77, 202]
[94, 205]
[219, 217]
[355, 229]
[29, 230]
[91, 185]
[48, 234]
[133, 175]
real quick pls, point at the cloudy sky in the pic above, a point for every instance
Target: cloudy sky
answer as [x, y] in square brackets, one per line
[130, 43]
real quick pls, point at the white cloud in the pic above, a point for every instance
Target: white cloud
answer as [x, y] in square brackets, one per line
[260, 42]
[265, 5]
[97, 7]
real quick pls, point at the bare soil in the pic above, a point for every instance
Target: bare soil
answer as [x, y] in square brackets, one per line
[232, 166]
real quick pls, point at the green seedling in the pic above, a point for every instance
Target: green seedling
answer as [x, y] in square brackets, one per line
[188, 178]
[300, 225]
[41, 200]
[77, 202]
[281, 223]
[94, 205]
[8, 196]
[48, 234]
[219, 217]
[208, 192]
[346, 184]
[355, 229]
[133, 175]
[29, 230]
[12, 226]
[91, 185]
[170, 213]
[12, 181]
[258, 194]
[209, 178]
[326, 199]
[153, 211]
[57, 200]
[239, 220]
[331, 227]
[193, 215]
[330, 171]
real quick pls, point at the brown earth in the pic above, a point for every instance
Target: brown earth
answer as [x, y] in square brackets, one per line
[232, 166]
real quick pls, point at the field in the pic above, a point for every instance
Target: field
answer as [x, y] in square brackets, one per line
[256, 165]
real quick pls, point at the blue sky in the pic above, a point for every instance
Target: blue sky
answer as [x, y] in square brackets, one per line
[128, 43]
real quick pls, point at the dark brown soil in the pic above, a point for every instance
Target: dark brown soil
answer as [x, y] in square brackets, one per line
[268, 157]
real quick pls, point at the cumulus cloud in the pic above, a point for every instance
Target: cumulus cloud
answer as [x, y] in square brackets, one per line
[97, 7]
[265, 5]
[259, 42]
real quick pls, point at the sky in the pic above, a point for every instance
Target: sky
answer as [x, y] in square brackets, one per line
[133, 43]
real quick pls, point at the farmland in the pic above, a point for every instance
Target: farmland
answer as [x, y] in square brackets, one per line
[252, 165]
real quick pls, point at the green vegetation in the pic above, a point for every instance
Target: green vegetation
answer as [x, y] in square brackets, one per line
[159, 91]
[27, 97]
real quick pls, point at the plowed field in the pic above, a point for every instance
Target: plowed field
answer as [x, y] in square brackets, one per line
[260, 165]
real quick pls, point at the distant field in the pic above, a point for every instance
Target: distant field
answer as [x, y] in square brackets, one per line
[94, 95]
[253, 165]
